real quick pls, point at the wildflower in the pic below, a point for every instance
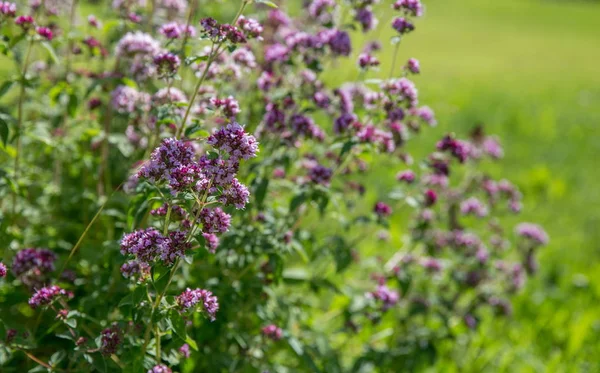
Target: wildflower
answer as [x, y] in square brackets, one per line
[184, 350]
[135, 268]
[2, 270]
[212, 242]
[365, 17]
[251, 28]
[229, 105]
[93, 21]
[215, 220]
[388, 297]
[459, 149]
[134, 43]
[190, 298]
[110, 340]
[37, 261]
[166, 64]
[382, 209]
[161, 368]
[237, 194]
[431, 264]
[273, 332]
[410, 7]
[320, 175]
[406, 176]
[473, 206]
[144, 244]
[8, 9]
[24, 21]
[126, 99]
[533, 232]
[165, 159]
[320, 10]
[233, 140]
[430, 197]
[366, 60]
[413, 66]
[47, 295]
[340, 43]
[171, 30]
[177, 6]
[402, 25]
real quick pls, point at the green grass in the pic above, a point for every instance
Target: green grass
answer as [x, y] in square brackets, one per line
[529, 70]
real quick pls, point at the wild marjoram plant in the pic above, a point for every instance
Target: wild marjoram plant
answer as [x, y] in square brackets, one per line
[206, 254]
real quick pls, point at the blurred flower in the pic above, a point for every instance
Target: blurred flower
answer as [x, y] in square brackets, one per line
[190, 298]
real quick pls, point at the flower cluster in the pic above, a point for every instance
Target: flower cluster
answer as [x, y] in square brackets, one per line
[110, 340]
[47, 295]
[273, 332]
[190, 298]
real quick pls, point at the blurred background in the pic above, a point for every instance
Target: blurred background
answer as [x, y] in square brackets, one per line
[529, 70]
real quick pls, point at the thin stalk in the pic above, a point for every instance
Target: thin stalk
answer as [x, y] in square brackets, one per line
[211, 58]
[45, 365]
[394, 58]
[20, 121]
[186, 35]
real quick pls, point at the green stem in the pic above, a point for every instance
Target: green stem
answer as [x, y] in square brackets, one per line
[20, 122]
[394, 58]
[211, 58]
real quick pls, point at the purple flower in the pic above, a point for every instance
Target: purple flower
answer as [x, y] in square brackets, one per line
[190, 298]
[134, 43]
[161, 368]
[171, 155]
[459, 149]
[215, 220]
[251, 27]
[320, 175]
[343, 122]
[176, 247]
[126, 99]
[387, 296]
[366, 60]
[166, 64]
[178, 6]
[406, 176]
[340, 43]
[212, 242]
[184, 350]
[110, 340]
[170, 30]
[431, 264]
[413, 66]
[137, 269]
[365, 17]
[276, 53]
[402, 25]
[93, 21]
[382, 209]
[8, 9]
[233, 140]
[273, 332]
[36, 261]
[144, 244]
[237, 195]
[410, 7]
[430, 197]
[47, 295]
[426, 114]
[24, 21]
[2, 270]
[473, 206]
[44, 32]
[404, 89]
[533, 232]
[229, 105]
[277, 18]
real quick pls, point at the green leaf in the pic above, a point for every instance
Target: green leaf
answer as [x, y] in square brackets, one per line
[6, 86]
[298, 200]
[57, 357]
[3, 131]
[126, 301]
[72, 105]
[51, 52]
[261, 191]
[267, 3]
[192, 343]
[177, 324]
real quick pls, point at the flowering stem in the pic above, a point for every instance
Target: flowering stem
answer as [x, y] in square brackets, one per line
[20, 121]
[45, 365]
[214, 52]
[186, 34]
[394, 58]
